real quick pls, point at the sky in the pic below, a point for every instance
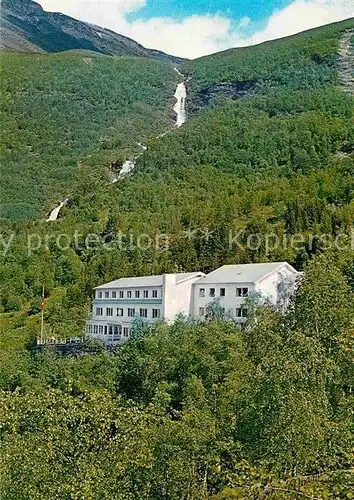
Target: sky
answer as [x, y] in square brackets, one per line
[193, 28]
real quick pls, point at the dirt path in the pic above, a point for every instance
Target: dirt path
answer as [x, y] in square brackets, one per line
[346, 62]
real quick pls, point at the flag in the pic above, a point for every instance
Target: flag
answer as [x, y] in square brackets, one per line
[42, 301]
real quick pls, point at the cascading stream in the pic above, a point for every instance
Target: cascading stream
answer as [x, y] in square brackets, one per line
[129, 165]
[180, 106]
[55, 212]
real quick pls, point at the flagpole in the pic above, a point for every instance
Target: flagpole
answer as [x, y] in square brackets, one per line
[42, 316]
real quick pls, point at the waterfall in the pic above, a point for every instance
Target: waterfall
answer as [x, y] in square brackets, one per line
[129, 165]
[55, 212]
[180, 106]
[178, 72]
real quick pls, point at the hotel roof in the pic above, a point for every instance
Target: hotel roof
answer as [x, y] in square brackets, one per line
[143, 281]
[244, 273]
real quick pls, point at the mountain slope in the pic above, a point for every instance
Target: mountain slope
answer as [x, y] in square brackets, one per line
[276, 163]
[26, 27]
[65, 110]
[286, 61]
[294, 100]
[203, 409]
[346, 61]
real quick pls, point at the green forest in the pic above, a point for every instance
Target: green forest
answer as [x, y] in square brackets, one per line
[62, 111]
[191, 410]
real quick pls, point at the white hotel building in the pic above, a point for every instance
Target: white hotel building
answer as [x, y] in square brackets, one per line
[162, 298]
[151, 298]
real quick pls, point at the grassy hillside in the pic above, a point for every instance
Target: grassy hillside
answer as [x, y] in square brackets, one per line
[304, 60]
[58, 111]
[293, 118]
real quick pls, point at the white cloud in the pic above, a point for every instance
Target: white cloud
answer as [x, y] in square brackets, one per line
[301, 16]
[193, 37]
[197, 35]
[106, 13]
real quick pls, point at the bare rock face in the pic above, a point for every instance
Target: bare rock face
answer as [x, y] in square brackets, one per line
[230, 90]
[346, 61]
[26, 27]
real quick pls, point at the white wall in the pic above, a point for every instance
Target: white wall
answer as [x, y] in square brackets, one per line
[169, 296]
[125, 303]
[230, 302]
[184, 292]
[125, 321]
[177, 296]
[269, 286]
[173, 299]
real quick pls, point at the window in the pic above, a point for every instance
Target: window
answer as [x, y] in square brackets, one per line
[126, 332]
[241, 313]
[211, 292]
[116, 330]
[95, 329]
[100, 329]
[89, 328]
[114, 295]
[222, 292]
[202, 292]
[109, 311]
[119, 311]
[143, 313]
[146, 294]
[201, 311]
[110, 330]
[154, 294]
[100, 295]
[156, 313]
[131, 312]
[137, 294]
[106, 294]
[105, 329]
[129, 294]
[241, 292]
[121, 294]
[99, 311]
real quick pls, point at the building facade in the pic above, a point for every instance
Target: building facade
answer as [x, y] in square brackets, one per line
[232, 287]
[117, 304]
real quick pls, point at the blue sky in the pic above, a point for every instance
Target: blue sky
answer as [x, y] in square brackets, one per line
[192, 28]
[257, 10]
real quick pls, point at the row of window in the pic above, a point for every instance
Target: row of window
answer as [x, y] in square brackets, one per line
[115, 330]
[241, 312]
[122, 294]
[131, 312]
[240, 292]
